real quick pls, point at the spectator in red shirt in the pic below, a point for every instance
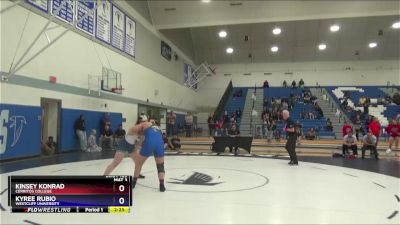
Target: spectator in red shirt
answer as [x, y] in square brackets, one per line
[346, 128]
[393, 131]
[375, 128]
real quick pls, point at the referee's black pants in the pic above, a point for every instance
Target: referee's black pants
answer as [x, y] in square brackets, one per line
[291, 148]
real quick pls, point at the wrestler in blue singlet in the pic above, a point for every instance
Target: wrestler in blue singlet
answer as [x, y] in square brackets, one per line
[153, 143]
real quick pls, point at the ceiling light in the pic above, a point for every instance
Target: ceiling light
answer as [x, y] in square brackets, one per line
[322, 46]
[229, 50]
[274, 49]
[334, 28]
[205, 1]
[222, 34]
[372, 44]
[276, 31]
[396, 25]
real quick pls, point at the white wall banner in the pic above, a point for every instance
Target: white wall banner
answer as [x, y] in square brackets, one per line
[85, 7]
[103, 21]
[40, 4]
[66, 12]
[118, 28]
[130, 36]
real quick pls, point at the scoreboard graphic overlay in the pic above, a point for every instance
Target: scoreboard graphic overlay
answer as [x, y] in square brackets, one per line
[70, 194]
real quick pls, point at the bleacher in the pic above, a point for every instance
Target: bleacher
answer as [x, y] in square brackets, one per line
[319, 123]
[280, 92]
[383, 113]
[299, 107]
[235, 103]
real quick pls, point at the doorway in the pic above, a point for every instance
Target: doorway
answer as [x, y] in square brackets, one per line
[160, 114]
[51, 119]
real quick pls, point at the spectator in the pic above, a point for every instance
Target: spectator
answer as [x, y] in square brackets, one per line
[266, 84]
[338, 114]
[301, 83]
[143, 116]
[311, 134]
[107, 138]
[311, 115]
[319, 110]
[120, 132]
[299, 131]
[238, 113]
[105, 121]
[329, 126]
[167, 145]
[284, 83]
[233, 132]
[265, 101]
[80, 129]
[254, 97]
[211, 124]
[93, 147]
[171, 123]
[357, 125]
[189, 124]
[349, 142]
[393, 130]
[369, 141]
[119, 135]
[176, 143]
[396, 98]
[275, 131]
[49, 147]
[226, 123]
[375, 127]
[293, 84]
[346, 128]
[285, 106]
[219, 127]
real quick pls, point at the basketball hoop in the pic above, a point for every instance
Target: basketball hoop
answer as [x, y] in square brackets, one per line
[117, 90]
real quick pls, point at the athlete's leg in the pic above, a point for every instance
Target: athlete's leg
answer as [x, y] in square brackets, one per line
[161, 172]
[139, 161]
[119, 155]
[134, 155]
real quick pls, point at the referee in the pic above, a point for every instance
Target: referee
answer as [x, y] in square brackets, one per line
[291, 142]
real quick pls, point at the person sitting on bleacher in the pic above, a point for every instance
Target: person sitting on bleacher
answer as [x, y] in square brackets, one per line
[329, 126]
[369, 141]
[349, 142]
[275, 131]
[107, 137]
[298, 128]
[49, 147]
[176, 143]
[311, 134]
[92, 144]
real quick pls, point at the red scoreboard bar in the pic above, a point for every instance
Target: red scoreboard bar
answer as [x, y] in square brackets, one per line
[70, 194]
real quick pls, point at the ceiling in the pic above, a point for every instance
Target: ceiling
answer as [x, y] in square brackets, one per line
[193, 26]
[298, 41]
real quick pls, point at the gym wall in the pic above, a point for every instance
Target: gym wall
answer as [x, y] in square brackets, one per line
[73, 57]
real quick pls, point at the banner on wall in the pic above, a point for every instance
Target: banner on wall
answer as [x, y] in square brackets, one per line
[20, 128]
[103, 21]
[118, 28]
[130, 36]
[84, 7]
[66, 12]
[40, 4]
[166, 50]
